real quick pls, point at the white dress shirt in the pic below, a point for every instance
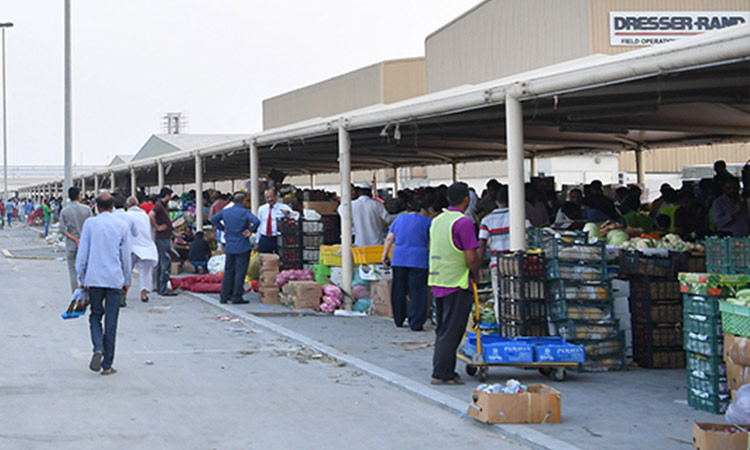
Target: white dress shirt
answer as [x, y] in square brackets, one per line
[276, 213]
[143, 241]
[368, 216]
[104, 259]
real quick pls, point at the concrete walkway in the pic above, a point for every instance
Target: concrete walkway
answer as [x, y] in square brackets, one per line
[189, 377]
[613, 410]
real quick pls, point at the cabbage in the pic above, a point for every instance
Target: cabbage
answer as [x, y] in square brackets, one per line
[616, 237]
[593, 230]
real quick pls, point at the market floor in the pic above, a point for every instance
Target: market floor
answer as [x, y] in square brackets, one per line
[612, 410]
[188, 377]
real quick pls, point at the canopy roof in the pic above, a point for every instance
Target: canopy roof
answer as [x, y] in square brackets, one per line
[693, 91]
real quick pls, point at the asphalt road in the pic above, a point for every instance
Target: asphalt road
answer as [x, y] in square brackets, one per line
[188, 378]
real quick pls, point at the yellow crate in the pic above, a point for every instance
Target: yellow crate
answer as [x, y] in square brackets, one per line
[330, 255]
[368, 255]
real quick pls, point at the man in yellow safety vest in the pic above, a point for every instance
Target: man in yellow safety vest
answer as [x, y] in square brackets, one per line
[453, 263]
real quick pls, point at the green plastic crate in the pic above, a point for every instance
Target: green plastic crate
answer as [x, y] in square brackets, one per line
[713, 385]
[703, 366]
[704, 344]
[716, 404]
[702, 324]
[707, 305]
[566, 309]
[735, 319]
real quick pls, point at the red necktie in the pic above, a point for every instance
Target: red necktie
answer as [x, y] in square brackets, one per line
[269, 233]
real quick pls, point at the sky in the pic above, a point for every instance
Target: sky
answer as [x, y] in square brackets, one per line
[215, 61]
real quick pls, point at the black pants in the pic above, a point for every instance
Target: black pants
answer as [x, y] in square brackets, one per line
[411, 281]
[452, 313]
[268, 244]
[233, 283]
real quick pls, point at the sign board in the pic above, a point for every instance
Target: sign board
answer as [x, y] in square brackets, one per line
[644, 28]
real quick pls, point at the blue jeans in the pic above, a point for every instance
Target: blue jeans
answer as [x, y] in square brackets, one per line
[104, 302]
[233, 283]
[202, 264]
[163, 248]
[10, 218]
[46, 228]
[411, 281]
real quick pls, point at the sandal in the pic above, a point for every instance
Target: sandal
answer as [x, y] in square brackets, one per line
[109, 371]
[453, 381]
[96, 361]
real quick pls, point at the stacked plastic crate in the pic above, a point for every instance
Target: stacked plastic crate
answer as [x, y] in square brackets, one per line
[312, 239]
[520, 298]
[703, 340]
[290, 243]
[655, 309]
[331, 229]
[580, 304]
[728, 255]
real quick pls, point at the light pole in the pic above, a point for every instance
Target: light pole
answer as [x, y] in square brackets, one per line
[68, 170]
[5, 121]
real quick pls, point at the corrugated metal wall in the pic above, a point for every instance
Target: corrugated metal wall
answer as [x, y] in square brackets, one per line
[599, 15]
[674, 159]
[403, 79]
[353, 90]
[385, 82]
[504, 37]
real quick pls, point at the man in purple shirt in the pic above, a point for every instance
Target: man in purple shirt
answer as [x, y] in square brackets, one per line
[454, 262]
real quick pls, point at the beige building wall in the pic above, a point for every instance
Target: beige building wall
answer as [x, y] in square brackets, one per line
[504, 37]
[385, 82]
[674, 159]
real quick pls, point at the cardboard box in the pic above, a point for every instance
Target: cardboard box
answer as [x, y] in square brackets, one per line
[303, 295]
[737, 349]
[323, 208]
[714, 436]
[337, 276]
[175, 268]
[268, 278]
[380, 295]
[269, 261]
[375, 272]
[541, 404]
[737, 375]
[269, 296]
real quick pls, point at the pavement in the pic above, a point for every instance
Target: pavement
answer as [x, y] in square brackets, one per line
[613, 410]
[190, 375]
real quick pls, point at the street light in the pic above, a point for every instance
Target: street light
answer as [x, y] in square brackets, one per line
[5, 120]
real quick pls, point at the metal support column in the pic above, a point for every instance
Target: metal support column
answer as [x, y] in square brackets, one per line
[133, 182]
[454, 171]
[112, 182]
[254, 177]
[534, 170]
[640, 167]
[345, 170]
[396, 186]
[198, 192]
[96, 185]
[160, 174]
[517, 204]
[68, 170]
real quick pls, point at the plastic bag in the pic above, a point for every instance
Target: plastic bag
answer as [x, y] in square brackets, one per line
[359, 292]
[216, 264]
[253, 269]
[362, 305]
[738, 412]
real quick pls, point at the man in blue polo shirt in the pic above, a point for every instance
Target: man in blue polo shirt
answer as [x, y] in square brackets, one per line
[238, 224]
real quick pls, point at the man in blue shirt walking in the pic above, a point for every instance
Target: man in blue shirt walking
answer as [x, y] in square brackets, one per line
[104, 268]
[238, 224]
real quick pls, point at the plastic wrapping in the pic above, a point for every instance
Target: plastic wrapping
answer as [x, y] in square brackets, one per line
[738, 412]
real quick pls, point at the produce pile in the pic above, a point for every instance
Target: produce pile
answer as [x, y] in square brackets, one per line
[631, 238]
[741, 298]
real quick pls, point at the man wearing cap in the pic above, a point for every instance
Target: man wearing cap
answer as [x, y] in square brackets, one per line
[268, 214]
[368, 218]
[453, 262]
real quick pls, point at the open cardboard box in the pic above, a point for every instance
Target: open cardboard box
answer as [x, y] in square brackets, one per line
[714, 436]
[541, 404]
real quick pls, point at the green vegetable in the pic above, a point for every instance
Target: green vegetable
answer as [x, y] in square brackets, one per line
[616, 237]
[745, 293]
[593, 230]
